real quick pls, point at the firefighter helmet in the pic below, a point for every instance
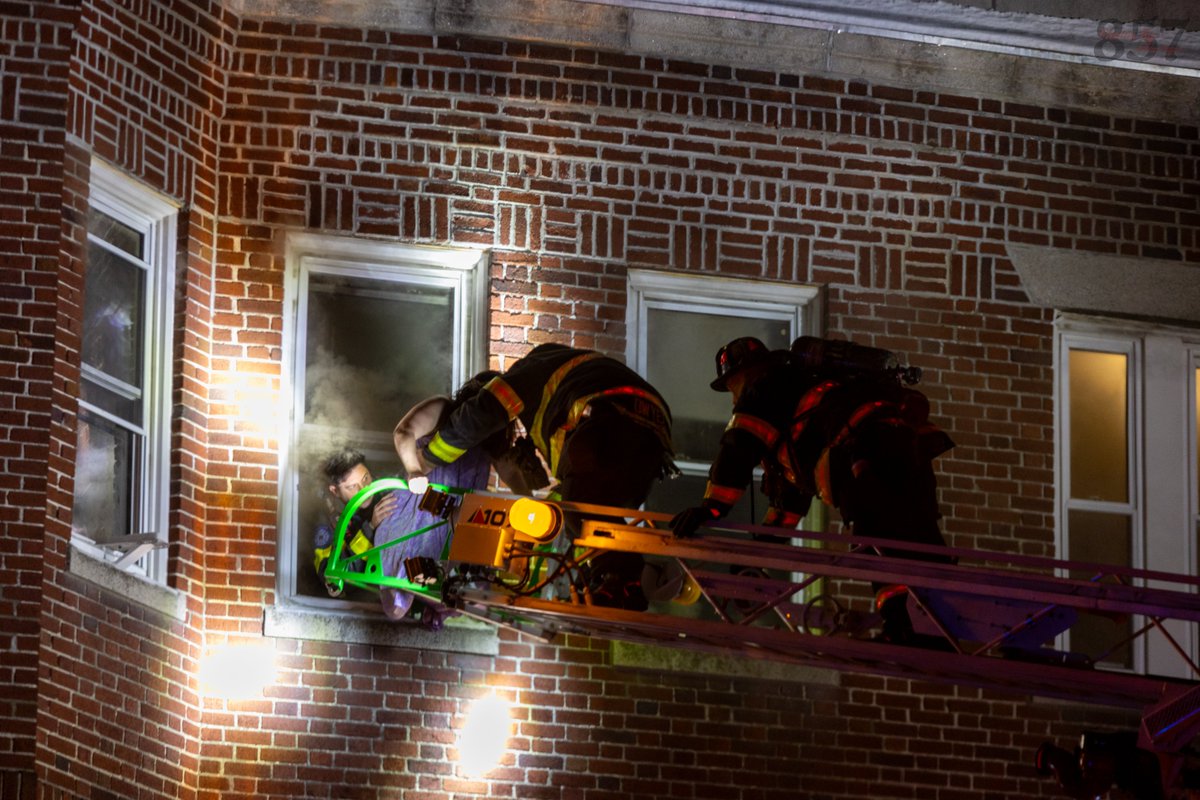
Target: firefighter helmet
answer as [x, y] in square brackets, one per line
[738, 355]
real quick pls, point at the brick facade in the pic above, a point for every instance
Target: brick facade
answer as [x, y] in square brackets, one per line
[572, 164]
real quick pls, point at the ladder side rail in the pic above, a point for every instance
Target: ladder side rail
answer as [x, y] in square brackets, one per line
[845, 654]
[1083, 595]
[1012, 559]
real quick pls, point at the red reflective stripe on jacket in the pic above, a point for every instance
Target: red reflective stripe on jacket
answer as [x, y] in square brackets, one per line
[823, 472]
[759, 428]
[780, 518]
[807, 402]
[505, 394]
[728, 495]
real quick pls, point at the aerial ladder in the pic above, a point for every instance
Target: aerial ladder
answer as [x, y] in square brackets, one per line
[983, 619]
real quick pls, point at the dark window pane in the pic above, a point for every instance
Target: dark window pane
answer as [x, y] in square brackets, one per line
[113, 309]
[116, 233]
[129, 409]
[1101, 538]
[681, 356]
[683, 491]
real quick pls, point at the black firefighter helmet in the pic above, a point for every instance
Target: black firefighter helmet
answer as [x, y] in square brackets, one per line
[742, 354]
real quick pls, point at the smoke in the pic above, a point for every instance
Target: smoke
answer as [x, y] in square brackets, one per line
[339, 394]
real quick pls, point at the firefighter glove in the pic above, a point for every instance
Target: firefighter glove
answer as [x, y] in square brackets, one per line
[685, 524]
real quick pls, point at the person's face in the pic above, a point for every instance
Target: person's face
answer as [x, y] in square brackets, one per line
[737, 384]
[351, 483]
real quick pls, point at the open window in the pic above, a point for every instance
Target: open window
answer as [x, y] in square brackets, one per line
[372, 328]
[120, 503]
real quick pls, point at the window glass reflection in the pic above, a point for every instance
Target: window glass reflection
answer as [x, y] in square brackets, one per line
[104, 487]
[113, 299]
[681, 351]
[1101, 538]
[1099, 447]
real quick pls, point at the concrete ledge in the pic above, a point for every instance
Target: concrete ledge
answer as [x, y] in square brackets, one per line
[1016, 57]
[670, 659]
[1073, 280]
[154, 596]
[460, 635]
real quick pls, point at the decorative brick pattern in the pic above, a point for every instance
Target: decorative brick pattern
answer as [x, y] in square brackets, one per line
[33, 99]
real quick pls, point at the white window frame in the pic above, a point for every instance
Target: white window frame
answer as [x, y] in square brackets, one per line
[155, 217]
[464, 270]
[800, 305]
[1161, 402]
[1193, 472]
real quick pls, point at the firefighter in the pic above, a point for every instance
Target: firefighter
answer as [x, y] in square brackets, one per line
[832, 420]
[604, 432]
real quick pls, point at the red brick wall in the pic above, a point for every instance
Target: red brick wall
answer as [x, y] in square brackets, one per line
[118, 711]
[34, 47]
[573, 165]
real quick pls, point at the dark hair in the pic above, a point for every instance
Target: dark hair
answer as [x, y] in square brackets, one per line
[466, 392]
[340, 463]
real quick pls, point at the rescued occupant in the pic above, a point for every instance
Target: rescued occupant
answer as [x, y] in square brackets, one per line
[346, 474]
[831, 419]
[602, 429]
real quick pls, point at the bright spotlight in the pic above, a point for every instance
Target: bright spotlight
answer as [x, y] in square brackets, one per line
[484, 738]
[238, 671]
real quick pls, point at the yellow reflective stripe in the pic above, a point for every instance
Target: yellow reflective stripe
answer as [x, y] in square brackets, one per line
[548, 392]
[360, 544]
[580, 406]
[320, 555]
[722, 494]
[823, 477]
[783, 457]
[504, 393]
[759, 428]
[442, 451]
[556, 448]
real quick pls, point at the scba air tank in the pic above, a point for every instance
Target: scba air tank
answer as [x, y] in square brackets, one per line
[835, 355]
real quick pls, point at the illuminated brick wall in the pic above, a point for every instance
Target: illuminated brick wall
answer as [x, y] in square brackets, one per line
[572, 164]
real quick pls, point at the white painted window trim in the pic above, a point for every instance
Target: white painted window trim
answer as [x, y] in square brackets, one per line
[1157, 415]
[1193, 355]
[155, 217]
[465, 270]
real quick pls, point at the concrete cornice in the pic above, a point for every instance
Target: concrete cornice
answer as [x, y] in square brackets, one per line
[1018, 58]
[1095, 283]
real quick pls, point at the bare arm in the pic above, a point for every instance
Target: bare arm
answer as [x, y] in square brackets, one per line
[420, 420]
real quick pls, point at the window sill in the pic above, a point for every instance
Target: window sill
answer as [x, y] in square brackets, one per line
[669, 659]
[154, 596]
[460, 634]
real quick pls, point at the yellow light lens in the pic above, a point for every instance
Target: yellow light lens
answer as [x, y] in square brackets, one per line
[535, 519]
